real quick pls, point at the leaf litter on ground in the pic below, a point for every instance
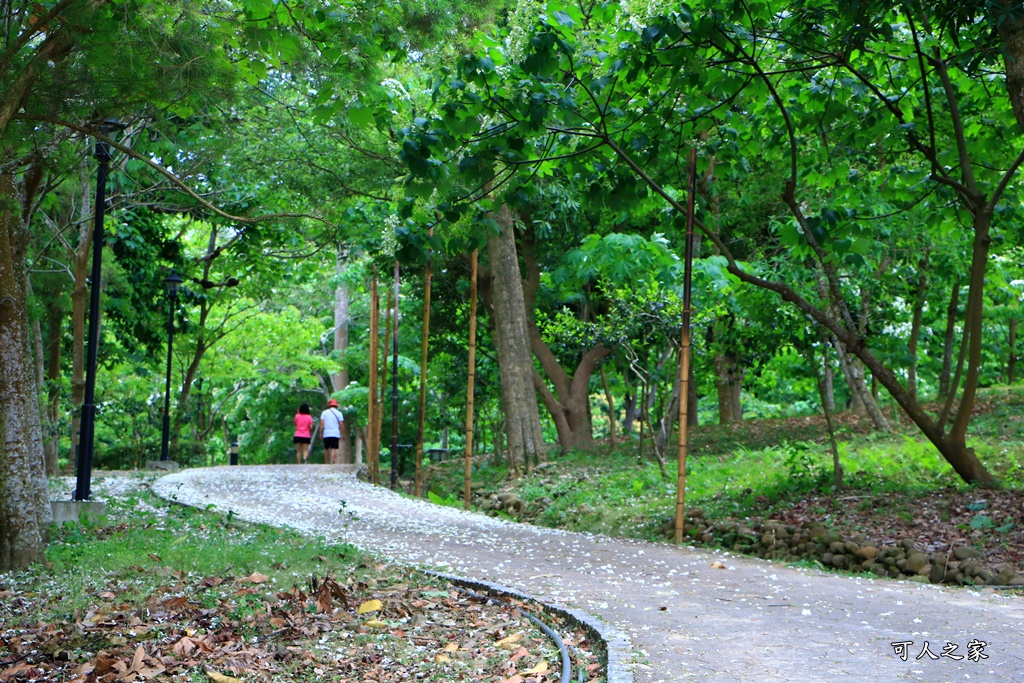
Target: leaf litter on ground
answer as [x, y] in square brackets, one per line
[374, 623]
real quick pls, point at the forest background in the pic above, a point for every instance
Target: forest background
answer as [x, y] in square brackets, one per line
[858, 216]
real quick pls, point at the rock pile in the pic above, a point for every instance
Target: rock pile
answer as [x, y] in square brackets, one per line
[774, 540]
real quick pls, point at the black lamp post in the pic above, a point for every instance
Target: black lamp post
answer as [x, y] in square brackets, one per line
[88, 428]
[173, 280]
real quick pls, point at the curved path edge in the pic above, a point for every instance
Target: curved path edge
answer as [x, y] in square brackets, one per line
[616, 644]
[688, 613]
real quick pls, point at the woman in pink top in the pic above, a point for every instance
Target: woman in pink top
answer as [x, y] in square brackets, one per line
[303, 433]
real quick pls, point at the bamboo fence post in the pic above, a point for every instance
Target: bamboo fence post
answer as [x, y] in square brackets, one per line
[470, 379]
[394, 387]
[384, 375]
[372, 454]
[423, 378]
[684, 353]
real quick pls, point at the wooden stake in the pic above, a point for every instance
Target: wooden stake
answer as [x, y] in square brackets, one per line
[470, 379]
[684, 364]
[423, 379]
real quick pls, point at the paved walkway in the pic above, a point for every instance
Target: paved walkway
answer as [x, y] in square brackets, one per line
[752, 621]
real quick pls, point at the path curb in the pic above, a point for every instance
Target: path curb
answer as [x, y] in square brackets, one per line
[616, 645]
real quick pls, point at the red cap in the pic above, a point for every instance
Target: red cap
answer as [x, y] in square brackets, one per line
[332, 403]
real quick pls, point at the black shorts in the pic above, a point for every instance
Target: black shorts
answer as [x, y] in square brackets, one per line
[331, 441]
[301, 439]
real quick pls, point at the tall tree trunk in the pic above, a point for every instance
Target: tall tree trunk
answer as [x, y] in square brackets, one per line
[1009, 21]
[515, 362]
[24, 499]
[692, 417]
[569, 403]
[339, 379]
[52, 351]
[862, 403]
[729, 383]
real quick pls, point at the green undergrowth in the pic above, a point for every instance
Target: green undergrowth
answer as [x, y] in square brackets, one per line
[750, 470]
[144, 545]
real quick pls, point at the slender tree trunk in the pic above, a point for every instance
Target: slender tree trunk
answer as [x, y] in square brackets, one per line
[470, 382]
[515, 362]
[52, 351]
[79, 304]
[667, 422]
[837, 468]
[611, 407]
[827, 376]
[629, 405]
[949, 340]
[915, 326]
[339, 379]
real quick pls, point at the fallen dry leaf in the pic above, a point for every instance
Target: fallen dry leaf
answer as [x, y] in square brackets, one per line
[451, 647]
[255, 577]
[374, 623]
[370, 606]
[221, 678]
[520, 653]
[510, 640]
[441, 658]
[538, 668]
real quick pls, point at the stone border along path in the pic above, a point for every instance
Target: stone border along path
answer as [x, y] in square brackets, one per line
[752, 621]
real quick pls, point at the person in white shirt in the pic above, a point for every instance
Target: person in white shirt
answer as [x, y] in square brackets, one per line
[330, 427]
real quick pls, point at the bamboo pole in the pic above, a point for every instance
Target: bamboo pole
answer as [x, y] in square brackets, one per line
[470, 379]
[372, 453]
[384, 376]
[394, 387]
[423, 378]
[684, 352]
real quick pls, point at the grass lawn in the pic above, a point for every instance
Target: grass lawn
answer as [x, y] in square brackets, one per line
[895, 485]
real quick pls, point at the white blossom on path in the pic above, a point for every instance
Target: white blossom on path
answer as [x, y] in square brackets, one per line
[690, 614]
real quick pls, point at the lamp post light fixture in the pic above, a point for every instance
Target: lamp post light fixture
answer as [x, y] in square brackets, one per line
[88, 427]
[172, 281]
